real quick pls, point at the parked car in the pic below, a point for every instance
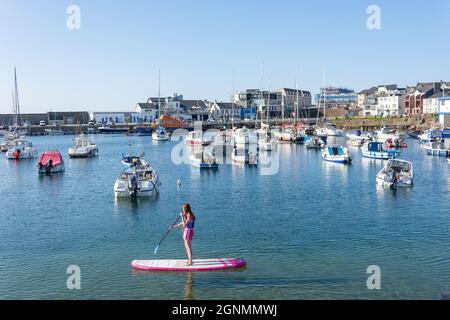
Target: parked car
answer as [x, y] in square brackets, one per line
[42, 123]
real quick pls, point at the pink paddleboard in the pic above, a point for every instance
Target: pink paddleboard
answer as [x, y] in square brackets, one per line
[180, 265]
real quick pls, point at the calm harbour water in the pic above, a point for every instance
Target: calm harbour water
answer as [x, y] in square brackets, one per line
[309, 232]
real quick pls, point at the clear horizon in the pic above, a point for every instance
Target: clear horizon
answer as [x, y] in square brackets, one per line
[111, 63]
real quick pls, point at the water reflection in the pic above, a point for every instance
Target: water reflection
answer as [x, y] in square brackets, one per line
[188, 287]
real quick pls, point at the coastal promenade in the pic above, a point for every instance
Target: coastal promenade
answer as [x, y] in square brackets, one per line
[366, 124]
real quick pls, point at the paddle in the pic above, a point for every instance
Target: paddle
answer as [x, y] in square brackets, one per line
[165, 235]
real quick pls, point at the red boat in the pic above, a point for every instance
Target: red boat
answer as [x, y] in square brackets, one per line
[51, 162]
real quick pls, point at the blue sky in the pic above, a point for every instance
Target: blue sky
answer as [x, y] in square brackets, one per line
[112, 62]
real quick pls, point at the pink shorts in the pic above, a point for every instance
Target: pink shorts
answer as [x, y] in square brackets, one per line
[188, 234]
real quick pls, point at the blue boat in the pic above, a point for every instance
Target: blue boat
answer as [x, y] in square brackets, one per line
[445, 133]
[132, 161]
[375, 150]
[437, 148]
[336, 154]
[431, 135]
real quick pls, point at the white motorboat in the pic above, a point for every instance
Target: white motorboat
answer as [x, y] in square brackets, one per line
[244, 136]
[137, 181]
[160, 134]
[204, 160]
[336, 154]
[51, 162]
[437, 148]
[355, 142]
[375, 150]
[265, 142]
[386, 133]
[315, 143]
[430, 136]
[84, 148]
[244, 156]
[329, 131]
[396, 173]
[21, 149]
[8, 142]
[359, 136]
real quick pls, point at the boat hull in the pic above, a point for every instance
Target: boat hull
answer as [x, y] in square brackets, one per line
[437, 152]
[83, 154]
[377, 155]
[56, 169]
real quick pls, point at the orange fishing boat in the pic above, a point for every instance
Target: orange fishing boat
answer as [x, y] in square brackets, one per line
[170, 122]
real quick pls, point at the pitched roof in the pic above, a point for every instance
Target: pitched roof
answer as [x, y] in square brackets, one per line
[439, 94]
[189, 104]
[369, 91]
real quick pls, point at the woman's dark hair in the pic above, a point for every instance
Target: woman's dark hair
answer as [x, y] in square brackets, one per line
[187, 209]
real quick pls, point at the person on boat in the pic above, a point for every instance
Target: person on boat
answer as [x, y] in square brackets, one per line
[188, 224]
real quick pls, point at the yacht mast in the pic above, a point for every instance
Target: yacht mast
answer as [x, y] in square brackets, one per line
[159, 96]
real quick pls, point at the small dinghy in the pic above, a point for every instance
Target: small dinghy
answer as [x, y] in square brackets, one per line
[50, 162]
[375, 150]
[436, 148]
[315, 143]
[396, 173]
[139, 180]
[336, 154]
[198, 264]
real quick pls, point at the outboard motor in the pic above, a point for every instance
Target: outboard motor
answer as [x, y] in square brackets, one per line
[133, 184]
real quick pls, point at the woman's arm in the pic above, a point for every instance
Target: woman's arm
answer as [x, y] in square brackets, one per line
[181, 224]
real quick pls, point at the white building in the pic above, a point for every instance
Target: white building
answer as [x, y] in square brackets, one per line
[224, 110]
[443, 110]
[431, 104]
[385, 101]
[115, 117]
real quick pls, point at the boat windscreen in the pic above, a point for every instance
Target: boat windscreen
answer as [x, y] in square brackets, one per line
[375, 147]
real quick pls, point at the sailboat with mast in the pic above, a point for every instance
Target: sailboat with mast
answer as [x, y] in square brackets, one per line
[160, 133]
[327, 129]
[18, 146]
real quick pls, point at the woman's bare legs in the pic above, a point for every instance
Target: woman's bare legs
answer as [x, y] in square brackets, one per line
[188, 245]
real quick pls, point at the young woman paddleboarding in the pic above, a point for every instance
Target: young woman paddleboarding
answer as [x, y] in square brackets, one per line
[188, 223]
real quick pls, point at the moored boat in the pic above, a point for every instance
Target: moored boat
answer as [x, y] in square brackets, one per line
[129, 160]
[386, 133]
[431, 135]
[160, 134]
[244, 156]
[21, 149]
[84, 148]
[329, 131]
[336, 154]
[437, 148]
[137, 181]
[198, 138]
[112, 129]
[375, 150]
[355, 142]
[51, 162]
[204, 160]
[8, 141]
[315, 143]
[396, 173]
